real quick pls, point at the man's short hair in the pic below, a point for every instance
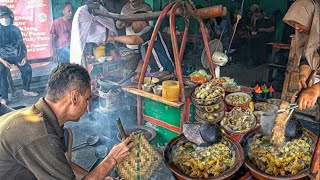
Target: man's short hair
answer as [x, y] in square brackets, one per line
[66, 77]
[64, 5]
[141, 12]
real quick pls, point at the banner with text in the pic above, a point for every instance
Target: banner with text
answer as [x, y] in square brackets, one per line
[33, 18]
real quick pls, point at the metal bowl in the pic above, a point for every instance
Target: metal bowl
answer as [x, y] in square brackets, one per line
[237, 94]
[259, 174]
[157, 90]
[172, 145]
[147, 87]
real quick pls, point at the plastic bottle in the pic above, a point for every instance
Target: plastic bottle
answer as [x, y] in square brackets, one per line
[271, 92]
[257, 94]
[265, 92]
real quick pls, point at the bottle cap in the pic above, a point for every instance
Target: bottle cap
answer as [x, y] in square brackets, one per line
[265, 90]
[258, 90]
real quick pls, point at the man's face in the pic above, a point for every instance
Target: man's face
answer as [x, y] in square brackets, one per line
[93, 4]
[80, 107]
[137, 26]
[68, 12]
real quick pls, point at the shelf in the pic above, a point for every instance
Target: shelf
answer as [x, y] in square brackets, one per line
[152, 96]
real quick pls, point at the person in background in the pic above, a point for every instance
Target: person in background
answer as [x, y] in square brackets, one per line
[13, 52]
[131, 7]
[89, 28]
[61, 33]
[160, 60]
[303, 15]
[32, 139]
[221, 28]
[262, 33]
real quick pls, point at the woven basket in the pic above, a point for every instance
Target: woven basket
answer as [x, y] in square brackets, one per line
[142, 161]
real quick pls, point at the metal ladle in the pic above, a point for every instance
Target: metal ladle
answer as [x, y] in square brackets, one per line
[92, 140]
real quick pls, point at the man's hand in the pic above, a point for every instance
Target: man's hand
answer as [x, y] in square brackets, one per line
[111, 38]
[121, 151]
[6, 64]
[309, 97]
[302, 82]
[23, 61]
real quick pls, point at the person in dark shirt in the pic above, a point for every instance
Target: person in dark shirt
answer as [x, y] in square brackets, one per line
[32, 139]
[263, 29]
[160, 61]
[13, 52]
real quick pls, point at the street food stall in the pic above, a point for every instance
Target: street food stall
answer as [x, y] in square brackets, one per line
[243, 115]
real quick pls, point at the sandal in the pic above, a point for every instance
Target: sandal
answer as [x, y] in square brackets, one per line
[29, 93]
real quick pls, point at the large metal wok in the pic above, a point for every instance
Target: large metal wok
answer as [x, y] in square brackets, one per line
[259, 174]
[168, 153]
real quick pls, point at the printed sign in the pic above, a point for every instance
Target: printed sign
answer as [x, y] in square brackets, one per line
[33, 18]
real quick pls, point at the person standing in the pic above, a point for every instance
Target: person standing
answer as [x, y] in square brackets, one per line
[160, 61]
[303, 16]
[88, 27]
[61, 33]
[13, 52]
[132, 7]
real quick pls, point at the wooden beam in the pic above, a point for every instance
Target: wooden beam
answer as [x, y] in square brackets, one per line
[152, 96]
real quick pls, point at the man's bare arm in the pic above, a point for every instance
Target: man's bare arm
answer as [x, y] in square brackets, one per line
[128, 39]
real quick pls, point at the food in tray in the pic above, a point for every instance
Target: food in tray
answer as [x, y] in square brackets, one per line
[203, 162]
[232, 88]
[276, 102]
[237, 99]
[206, 93]
[226, 80]
[288, 159]
[200, 76]
[211, 108]
[263, 106]
[210, 117]
[238, 120]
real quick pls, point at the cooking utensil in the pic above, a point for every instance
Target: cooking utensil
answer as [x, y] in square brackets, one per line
[292, 106]
[92, 140]
[107, 84]
[204, 134]
[121, 129]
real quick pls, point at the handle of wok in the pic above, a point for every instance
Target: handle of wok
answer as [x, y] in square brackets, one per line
[121, 129]
[315, 163]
